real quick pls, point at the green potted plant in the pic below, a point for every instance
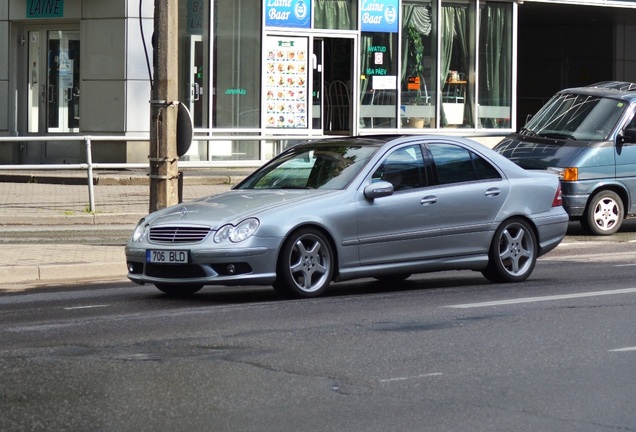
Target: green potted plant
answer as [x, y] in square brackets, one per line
[416, 70]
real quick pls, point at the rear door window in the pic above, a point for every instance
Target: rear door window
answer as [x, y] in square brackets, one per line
[455, 164]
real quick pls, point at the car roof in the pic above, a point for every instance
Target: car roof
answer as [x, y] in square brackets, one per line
[365, 140]
[612, 89]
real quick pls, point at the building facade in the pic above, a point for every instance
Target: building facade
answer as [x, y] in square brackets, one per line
[258, 75]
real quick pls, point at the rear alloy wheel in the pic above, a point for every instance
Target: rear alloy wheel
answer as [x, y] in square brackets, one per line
[178, 290]
[604, 213]
[305, 265]
[513, 252]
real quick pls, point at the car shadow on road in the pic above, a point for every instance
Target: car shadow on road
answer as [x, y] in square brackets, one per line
[246, 295]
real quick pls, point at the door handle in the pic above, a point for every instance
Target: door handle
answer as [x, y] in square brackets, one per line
[428, 200]
[492, 192]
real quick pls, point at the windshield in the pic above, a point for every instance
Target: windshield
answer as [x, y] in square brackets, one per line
[320, 167]
[578, 117]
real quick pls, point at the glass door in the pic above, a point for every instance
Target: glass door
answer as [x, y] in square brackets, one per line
[318, 89]
[332, 110]
[54, 85]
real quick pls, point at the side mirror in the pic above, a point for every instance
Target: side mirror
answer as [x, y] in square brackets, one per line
[378, 189]
[627, 136]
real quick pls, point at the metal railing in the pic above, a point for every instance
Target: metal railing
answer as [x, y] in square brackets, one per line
[89, 166]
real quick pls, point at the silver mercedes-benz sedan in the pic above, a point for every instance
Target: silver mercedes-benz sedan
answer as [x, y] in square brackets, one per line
[383, 207]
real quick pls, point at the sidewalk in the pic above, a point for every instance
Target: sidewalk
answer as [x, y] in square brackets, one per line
[46, 199]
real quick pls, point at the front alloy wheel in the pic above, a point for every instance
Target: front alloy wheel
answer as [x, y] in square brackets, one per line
[604, 214]
[513, 252]
[305, 265]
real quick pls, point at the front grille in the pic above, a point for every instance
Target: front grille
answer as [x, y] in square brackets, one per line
[175, 272]
[178, 234]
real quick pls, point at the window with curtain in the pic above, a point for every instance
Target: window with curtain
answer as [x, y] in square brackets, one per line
[495, 66]
[335, 14]
[457, 67]
[417, 82]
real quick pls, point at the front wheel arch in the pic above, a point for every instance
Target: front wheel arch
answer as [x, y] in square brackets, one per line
[291, 271]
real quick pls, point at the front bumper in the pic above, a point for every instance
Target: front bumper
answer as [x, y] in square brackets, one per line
[236, 266]
[574, 205]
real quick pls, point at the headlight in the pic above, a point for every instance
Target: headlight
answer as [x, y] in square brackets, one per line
[238, 233]
[140, 231]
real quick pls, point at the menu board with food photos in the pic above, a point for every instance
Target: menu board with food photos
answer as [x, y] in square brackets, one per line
[286, 82]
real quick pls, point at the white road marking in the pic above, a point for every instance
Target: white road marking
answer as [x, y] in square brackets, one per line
[624, 265]
[410, 377]
[623, 349]
[540, 299]
[85, 307]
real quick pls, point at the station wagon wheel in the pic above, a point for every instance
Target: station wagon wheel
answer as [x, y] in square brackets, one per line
[178, 290]
[513, 252]
[604, 213]
[305, 265]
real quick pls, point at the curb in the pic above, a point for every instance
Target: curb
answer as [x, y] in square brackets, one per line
[79, 219]
[63, 272]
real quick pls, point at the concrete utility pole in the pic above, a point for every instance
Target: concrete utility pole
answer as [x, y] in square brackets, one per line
[164, 172]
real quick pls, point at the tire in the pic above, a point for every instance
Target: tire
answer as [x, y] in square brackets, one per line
[604, 213]
[178, 290]
[513, 252]
[305, 265]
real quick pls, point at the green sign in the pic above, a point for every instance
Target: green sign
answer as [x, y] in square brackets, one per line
[45, 9]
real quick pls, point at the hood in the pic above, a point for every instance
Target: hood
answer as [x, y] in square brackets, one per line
[232, 206]
[536, 153]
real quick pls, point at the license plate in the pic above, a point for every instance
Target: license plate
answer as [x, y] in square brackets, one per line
[167, 256]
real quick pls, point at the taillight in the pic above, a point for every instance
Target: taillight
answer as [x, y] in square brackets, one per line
[558, 197]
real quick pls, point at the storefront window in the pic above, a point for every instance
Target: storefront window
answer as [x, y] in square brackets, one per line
[457, 65]
[378, 86]
[237, 66]
[418, 85]
[495, 66]
[335, 14]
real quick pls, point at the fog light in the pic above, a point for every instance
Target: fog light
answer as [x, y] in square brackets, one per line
[231, 269]
[130, 268]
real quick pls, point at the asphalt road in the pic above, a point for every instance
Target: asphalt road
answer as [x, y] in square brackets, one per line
[438, 352]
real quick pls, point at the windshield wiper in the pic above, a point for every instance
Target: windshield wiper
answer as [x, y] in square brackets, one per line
[526, 131]
[290, 187]
[557, 135]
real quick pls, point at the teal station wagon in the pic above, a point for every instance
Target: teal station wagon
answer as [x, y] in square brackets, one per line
[587, 136]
